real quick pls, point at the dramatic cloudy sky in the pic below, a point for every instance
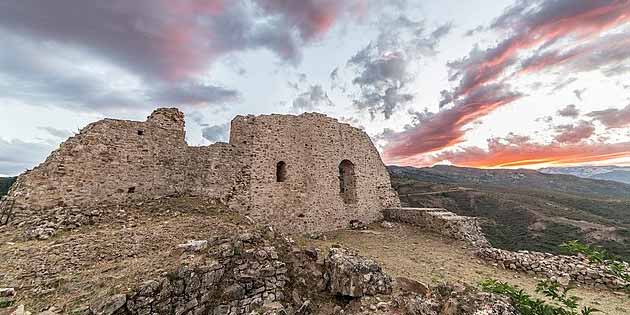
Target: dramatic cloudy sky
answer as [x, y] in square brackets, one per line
[493, 83]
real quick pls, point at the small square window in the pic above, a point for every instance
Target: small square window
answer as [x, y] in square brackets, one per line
[140, 132]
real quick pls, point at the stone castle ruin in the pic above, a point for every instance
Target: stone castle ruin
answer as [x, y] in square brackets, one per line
[301, 173]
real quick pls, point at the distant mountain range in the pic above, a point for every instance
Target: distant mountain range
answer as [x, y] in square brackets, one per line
[525, 209]
[615, 173]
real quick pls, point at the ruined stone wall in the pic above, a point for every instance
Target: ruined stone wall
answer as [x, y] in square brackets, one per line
[117, 161]
[559, 267]
[442, 222]
[217, 171]
[109, 161]
[312, 146]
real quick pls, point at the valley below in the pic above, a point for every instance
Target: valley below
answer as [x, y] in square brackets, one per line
[525, 209]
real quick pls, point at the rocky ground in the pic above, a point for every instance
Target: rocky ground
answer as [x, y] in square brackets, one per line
[404, 251]
[127, 246]
[189, 256]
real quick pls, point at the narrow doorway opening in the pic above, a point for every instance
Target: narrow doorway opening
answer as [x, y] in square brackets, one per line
[347, 182]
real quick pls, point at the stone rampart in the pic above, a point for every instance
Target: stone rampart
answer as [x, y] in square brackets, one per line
[300, 173]
[559, 267]
[442, 222]
[311, 147]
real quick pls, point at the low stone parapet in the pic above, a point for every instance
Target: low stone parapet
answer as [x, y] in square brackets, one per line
[442, 222]
[559, 267]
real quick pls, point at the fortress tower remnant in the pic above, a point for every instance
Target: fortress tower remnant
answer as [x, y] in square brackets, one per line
[301, 173]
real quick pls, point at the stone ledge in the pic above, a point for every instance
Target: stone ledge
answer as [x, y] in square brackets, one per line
[440, 221]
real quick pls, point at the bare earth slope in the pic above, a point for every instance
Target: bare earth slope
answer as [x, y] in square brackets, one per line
[132, 244]
[135, 244]
[405, 251]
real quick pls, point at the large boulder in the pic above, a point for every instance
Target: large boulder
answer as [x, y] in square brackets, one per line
[351, 275]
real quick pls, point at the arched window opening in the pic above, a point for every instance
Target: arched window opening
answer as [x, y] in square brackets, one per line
[281, 172]
[347, 182]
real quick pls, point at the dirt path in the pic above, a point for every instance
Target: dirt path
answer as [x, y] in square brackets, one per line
[406, 251]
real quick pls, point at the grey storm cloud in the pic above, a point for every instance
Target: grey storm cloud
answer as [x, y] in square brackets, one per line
[312, 99]
[613, 118]
[166, 44]
[384, 68]
[216, 133]
[16, 156]
[474, 31]
[608, 54]
[58, 133]
[32, 78]
[170, 38]
[192, 93]
[569, 111]
[561, 84]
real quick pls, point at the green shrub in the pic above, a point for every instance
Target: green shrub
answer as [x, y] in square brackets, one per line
[599, 256]
[562, 303]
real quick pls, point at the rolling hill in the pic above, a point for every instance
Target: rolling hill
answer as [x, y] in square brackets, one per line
[525, 209]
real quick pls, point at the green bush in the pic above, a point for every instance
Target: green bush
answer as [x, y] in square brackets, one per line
[561, 302]
[599, 256]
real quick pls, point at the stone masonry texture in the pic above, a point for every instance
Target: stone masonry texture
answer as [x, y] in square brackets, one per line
[442, 222]
[119, 161]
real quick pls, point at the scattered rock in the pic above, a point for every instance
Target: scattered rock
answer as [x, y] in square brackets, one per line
[355, 276]
[387, 225]
[314, 235]
[41, 233]
[7, 297]
[452, 300]
[7, 292]
[20, 311]
[109, 305]
[194, 245]
[357, 225]
[83, 310]
[407, 285]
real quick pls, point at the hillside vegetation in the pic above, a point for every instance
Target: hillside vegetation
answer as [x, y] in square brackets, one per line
[5, 184]
[525, 209]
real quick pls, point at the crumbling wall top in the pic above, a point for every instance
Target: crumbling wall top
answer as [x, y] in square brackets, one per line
[168, 118]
